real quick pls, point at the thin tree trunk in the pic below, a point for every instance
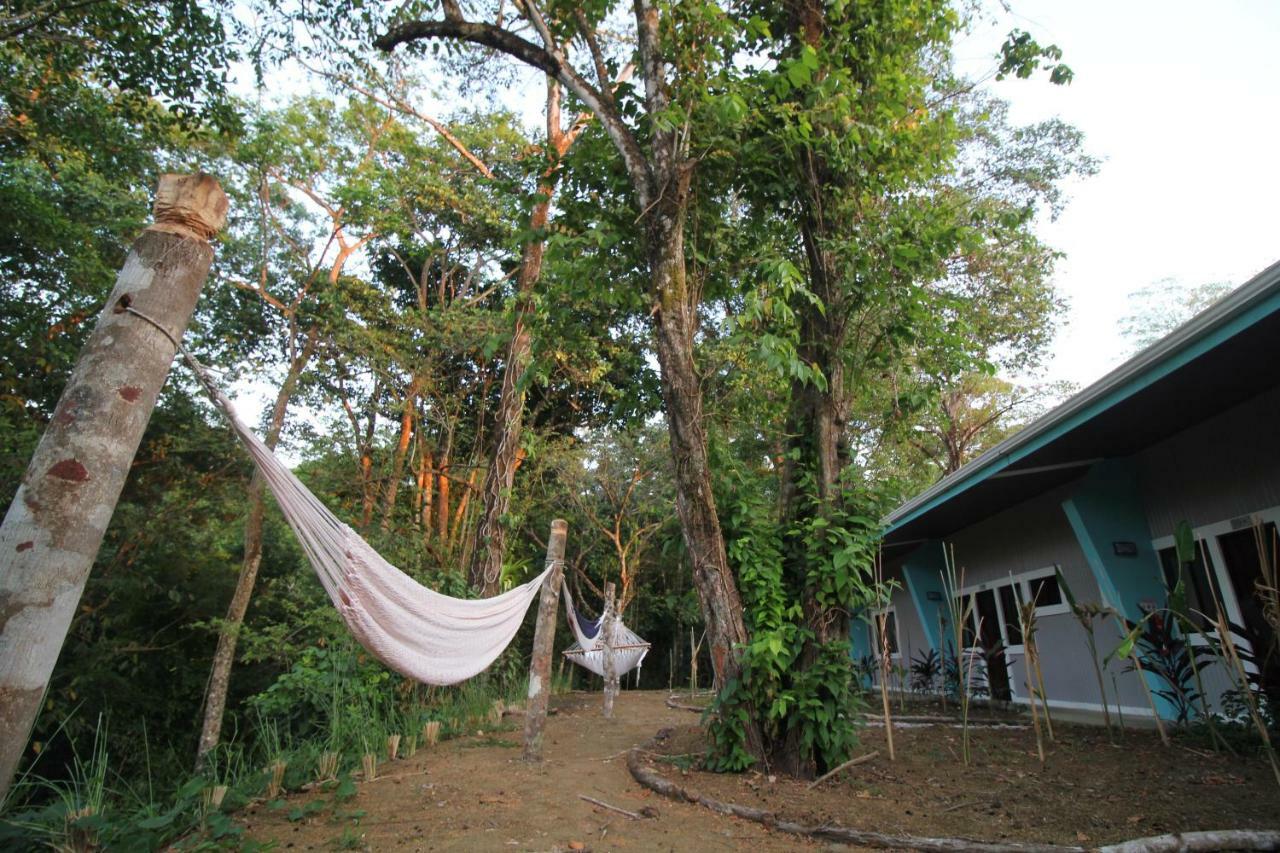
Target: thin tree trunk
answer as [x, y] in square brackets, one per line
[491, 534]
[460, 514]
[54, 527]
[544, 635]
[370, 497]
[419, 482]
[229, 633]
[428, 476]
[401, 452]
[443, 508]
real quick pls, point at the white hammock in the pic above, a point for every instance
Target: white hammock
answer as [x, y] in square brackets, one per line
[589, 650]
[415, 631]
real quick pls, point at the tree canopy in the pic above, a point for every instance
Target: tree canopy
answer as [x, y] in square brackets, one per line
[756, 272]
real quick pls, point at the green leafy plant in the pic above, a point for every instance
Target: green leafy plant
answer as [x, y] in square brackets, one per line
[926, 668]
[1165, 654]
[810, 709]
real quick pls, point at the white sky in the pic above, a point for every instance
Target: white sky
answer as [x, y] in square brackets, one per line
[1182, 100]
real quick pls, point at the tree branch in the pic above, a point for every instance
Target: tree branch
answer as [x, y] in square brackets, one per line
[503, 41]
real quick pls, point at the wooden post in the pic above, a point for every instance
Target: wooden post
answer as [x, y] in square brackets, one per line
[609, 626]
[694, 650]
[54, 527]
[544, 635]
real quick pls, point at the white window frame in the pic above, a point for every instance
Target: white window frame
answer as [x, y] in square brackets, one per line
[1025, 580]
[1208, 534]
[873, 631]
[1022, 581]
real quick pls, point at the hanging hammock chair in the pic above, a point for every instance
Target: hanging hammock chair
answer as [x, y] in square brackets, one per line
[419, 633]
[588, 651]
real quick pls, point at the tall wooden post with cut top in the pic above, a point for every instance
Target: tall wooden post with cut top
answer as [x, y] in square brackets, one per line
[608, 628]
[54, 527]
[544, 635]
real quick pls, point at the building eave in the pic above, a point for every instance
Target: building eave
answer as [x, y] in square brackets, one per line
[1242, 308]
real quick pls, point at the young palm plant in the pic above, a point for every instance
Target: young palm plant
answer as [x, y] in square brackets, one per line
[1027, 625]
[961, 612]
[925, 669]
[1086, 613]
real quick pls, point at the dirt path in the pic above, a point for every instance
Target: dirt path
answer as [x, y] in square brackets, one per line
[475, 793]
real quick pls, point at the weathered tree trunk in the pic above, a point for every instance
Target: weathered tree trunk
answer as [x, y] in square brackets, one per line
[54, 527]
[608, 627]
[544, 636]
[224, 655]
[676, 324]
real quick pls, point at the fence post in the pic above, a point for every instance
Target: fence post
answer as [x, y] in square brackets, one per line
[609, 627]
[54, 527]
[544, 635]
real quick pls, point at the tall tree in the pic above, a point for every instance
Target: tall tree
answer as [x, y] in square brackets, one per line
[678, 50]
[853, 142]
[294, 151]
[1158, 309]
[491, 533]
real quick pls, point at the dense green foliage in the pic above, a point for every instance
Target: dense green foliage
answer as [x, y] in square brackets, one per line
[860, 237]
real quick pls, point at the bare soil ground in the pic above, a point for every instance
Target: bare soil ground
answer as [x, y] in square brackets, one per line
[475, 793]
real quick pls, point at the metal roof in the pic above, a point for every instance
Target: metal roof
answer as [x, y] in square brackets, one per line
[1240, 310]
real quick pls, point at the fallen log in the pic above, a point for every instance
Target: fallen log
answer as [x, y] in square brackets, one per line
[672, 703]
[1185, 842]
[651, 779]
[1195, 842]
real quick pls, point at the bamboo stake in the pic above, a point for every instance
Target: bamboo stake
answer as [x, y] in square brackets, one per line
[1026, 611]
[1044, 699]
[276, 780]
[602, 804]
[882, 619]
[1229, 644]
[1142, 677]
[852, 762]
[942, 635]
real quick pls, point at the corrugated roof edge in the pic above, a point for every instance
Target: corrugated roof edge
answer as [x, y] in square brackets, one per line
[1242, 299]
